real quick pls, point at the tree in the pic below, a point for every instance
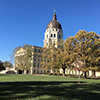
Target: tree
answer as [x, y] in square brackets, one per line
[49, 58]
[64, 57]
[87, 48]
[60, 57]
[79, 65]
[7, 64]
[23, 61]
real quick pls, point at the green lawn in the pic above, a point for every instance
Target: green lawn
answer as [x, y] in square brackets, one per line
[39, 87]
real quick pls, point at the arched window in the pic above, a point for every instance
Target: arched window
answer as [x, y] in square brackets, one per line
[51, 35]
[54, 35]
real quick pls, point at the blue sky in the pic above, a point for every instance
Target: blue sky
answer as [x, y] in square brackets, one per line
[25, 21]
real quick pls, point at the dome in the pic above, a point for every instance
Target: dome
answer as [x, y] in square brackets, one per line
[54, 23]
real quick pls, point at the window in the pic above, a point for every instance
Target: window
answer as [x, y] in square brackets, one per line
[53, 29]
[54, 43]
[46, 43]
[38, 65]
[59, 36]
[34, 65]
[59, 30]
[35, 49]
[34, 59]
[51, 35]
[41, 50]
[47, 36]
[34, 71]
[56, 29]
[38, 50]
[34, 55]
[44, 71]
[57, 71]
[48, 71]
[54, 35]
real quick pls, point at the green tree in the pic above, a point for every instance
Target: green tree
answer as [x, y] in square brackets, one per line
[87, 48]
[23, 61]
[7, 64]
[64, 55]
[49, 58]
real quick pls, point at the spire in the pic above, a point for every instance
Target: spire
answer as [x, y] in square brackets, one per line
[54, 10]
[54, 15]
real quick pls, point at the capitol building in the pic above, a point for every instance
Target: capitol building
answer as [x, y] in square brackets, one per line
[53, 34]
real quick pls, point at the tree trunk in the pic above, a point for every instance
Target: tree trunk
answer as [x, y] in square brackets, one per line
[25, 71]
[79, 78]
[63, 71]
[31, 70]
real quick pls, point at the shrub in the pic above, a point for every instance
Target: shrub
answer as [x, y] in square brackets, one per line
[50, 73]
[45, 73]
[59, 74]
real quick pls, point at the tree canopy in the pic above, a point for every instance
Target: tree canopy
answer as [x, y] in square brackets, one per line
[7, 64]
[87, 48]
[23, 61]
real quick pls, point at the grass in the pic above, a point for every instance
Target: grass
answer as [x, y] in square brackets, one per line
[42, 87]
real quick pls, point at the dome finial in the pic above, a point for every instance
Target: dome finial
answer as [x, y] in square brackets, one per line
[54, 15]
[54, 10]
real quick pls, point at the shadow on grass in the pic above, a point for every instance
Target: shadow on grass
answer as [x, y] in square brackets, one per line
[49, 90]
[3, 74]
